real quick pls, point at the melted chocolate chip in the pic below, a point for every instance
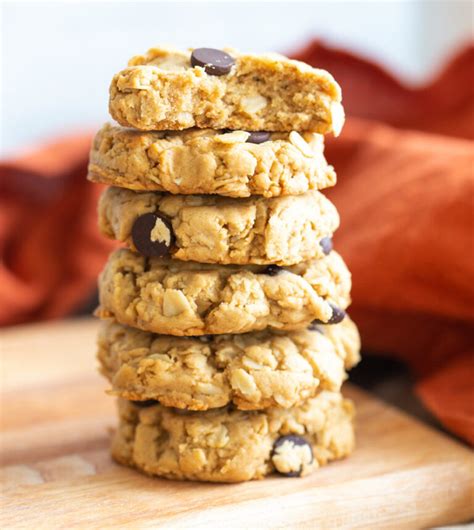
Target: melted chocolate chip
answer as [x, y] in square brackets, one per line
[214, 62]
[272, 270]
[292, 441]
[326, 244]
[337, 316]
[152, 235]
[145, 404]
[258, 137]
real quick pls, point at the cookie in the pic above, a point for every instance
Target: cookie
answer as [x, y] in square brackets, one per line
[210, 162]
[251, 371]
[173, 297]
[225, 445]
[213, 229]
[166, 89]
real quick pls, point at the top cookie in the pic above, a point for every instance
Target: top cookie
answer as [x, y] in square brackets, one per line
[169, 89]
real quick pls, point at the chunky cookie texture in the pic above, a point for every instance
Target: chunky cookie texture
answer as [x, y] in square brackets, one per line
[212, 229]
[164, 90]
[224, 445]
[252, 371]
[210, 162]
[188, 298]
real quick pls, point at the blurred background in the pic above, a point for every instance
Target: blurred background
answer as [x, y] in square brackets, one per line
[404, 165]
[58, 57]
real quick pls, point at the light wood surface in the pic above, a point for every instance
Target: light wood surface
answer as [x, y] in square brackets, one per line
[56, 471]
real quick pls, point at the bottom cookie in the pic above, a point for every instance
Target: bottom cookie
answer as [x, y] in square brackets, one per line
[227, 445]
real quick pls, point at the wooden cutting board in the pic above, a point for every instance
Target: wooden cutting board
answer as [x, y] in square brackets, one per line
[56, 471]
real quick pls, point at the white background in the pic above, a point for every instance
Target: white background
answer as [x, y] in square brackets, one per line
[57, 58]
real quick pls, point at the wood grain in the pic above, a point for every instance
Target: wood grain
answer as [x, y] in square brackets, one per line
[56, 471]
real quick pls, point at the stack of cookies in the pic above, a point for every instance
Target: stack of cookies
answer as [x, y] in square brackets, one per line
[225, 335]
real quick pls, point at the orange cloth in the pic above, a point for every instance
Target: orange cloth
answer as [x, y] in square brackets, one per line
[444, 106]
[406, 202]
[51, 251]
[405, 198]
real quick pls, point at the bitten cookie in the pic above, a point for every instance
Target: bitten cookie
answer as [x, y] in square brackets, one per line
[212, 229]
[187, 298]
[169, 89]
[224, 445]
[252, 371]
[234, 164]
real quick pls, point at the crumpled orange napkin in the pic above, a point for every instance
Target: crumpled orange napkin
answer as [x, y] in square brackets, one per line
[51, 251]
[406, 202]
[443, 106]
[404, 195]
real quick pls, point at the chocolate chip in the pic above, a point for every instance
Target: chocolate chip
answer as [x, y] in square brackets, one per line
[258, 137]
[152, 235]
[337, 316]
[181, 412]
[205, 338]
[326, 244]
[288, 444]
[314, 326]
[255, 137]
[214, 62]
[145, 404]
[272, 270]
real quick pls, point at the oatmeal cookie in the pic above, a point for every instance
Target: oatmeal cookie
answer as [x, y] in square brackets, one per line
[205, 161]
[173, 297]
[225, 445]
[170, 89]
[251, 371]
[212, 229]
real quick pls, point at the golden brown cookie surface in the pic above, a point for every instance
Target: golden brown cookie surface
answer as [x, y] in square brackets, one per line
[210, 162]
[212, 229]
[186, 298]
[253, 370]
[164, 90]
[223, 445]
